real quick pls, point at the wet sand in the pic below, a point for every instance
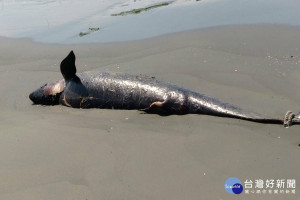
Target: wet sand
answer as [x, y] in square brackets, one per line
[55, 152]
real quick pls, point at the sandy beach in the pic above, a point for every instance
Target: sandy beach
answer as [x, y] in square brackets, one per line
[55, 152]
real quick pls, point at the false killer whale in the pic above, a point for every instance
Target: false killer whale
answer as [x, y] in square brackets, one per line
[123, 91]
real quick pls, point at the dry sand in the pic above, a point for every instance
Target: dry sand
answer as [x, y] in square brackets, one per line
[60, 153]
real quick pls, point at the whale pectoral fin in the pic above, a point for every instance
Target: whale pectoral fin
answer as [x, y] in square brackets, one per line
[64, 101]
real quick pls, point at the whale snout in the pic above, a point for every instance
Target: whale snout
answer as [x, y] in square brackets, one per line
[37, 97]
[32, 97]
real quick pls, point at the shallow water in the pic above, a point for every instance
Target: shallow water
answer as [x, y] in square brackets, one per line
[62, 21]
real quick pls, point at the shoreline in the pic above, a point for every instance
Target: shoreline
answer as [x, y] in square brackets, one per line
[165, 35]
[55, 22]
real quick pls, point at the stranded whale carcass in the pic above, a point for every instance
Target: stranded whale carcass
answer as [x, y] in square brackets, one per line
[104, 90]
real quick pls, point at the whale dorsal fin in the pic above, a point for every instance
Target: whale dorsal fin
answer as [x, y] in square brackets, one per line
[67, 66]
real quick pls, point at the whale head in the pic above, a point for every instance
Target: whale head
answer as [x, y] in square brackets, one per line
[48, 94]
[68, 91]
